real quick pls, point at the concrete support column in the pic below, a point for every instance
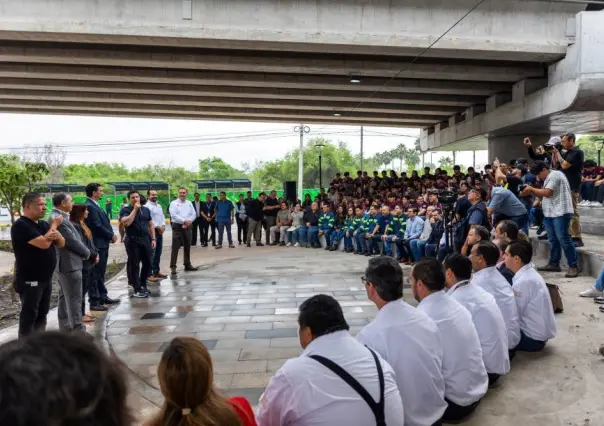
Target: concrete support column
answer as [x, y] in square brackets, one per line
[508, 148]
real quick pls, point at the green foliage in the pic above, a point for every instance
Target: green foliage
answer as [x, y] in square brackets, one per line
[590, 146]
[217, 168]
[16, 179]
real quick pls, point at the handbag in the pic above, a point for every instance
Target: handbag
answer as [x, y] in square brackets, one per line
[555, 296]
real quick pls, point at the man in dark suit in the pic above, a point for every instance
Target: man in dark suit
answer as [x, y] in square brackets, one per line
[102, 236]
[197, 223]
[208, 216]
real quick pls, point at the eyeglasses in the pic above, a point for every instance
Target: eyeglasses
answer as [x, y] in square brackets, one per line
[364, 280]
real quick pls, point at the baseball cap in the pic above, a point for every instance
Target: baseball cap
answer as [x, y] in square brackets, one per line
[522, 161]
[481, 191]
[553, 141]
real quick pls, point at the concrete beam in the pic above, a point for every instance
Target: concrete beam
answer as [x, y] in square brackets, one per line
[258, 114]
[247, 79]
[511, 30]
[149, 114]
[264, 63]
[527, 86]
[232, 102]
[496, 100]
[32, 85]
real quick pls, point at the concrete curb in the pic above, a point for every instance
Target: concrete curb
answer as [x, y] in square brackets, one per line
[590, 262]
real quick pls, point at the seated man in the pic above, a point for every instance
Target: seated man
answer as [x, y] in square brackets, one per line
[466, 380]
[284, 221]
[395, 230]
[502, 244]
[360, 231]
[311, 220]
[484, 257]
[436, 234]
[418, 246]
[372, 226]
[415, 226]
[326, 223]
[335, 380]
[408, 340]
[486, 315]
[592, 173]
[476, 234]
[537, 322]
[384, 220]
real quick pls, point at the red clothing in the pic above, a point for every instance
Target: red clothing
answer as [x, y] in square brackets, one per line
[244, 410]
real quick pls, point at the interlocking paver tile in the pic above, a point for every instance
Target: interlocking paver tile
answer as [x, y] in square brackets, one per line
[233, 367]
[228, 320]
[151, 329]
[270, 334]
[249, 326]
[159, 315]
[242, 343]
[287, 342]
[250, 380]
[268, 354]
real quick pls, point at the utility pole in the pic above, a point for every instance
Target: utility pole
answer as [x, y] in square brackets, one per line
[301, 129]
[361, 148]
[453, 158]
[320, 145]
[474, 159]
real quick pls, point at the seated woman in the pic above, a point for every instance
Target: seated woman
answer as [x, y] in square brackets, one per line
[186, 379]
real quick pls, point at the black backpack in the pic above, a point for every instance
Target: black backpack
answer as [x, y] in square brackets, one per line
[461, 228]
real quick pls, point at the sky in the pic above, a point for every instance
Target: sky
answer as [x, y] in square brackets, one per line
[138, 141]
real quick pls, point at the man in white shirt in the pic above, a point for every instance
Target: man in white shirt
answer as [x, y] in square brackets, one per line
[182, 215]
[159, 222]
[537, 322]
[408, 340]
[486, 315]
[336, 380]
[484, 257]
[466, 380]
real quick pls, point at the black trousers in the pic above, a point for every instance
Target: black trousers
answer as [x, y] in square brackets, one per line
[197, 224]
[456, 413]
[241, 230]
[35, 303]
[206, 227]
[139, 252]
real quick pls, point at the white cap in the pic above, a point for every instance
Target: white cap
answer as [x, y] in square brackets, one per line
[554, 141]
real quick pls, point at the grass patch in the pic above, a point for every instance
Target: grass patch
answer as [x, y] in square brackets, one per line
[6, 245]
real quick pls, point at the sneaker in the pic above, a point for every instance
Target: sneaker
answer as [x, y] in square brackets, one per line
[549, 268]
[289, 244]
[140, 295]
[231, 246]
[595, 204]
[248, 245]
[578, 243]
[274, 243]
[219, 246]
[282, 244]
[327, 248]
[584, 203]
[572, 273]
[259, 245]
[540, 230]
[97, 308]
[542, 237]
[592, 292]
[297, 245]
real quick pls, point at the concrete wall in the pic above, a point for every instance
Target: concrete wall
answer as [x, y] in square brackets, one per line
[522, 30]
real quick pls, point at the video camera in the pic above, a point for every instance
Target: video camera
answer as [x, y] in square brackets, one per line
[445, 198]
[555, 142]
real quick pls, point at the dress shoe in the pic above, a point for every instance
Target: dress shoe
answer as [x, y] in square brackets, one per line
[191, 268]
[98, 308]
[248, 245]
[259, 245]
[109, 301]
[160, 275]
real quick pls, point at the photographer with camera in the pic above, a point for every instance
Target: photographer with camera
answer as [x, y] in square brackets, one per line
[558, 211]
[571, 164]
[505, 205]
[538, 154]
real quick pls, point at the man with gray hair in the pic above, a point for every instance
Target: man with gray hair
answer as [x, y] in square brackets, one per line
[70, 264]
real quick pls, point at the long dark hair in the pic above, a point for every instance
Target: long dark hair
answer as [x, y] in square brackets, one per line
[78, 212]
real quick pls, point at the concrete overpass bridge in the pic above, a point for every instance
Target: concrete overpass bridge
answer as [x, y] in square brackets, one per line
[508, 68]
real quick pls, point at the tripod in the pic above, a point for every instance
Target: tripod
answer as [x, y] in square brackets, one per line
[448, 219]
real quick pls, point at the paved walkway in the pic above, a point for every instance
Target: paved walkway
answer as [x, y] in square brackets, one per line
[243, 302]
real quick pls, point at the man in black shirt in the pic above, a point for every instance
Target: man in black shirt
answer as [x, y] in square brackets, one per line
[254, 210]
[271, 208]
[34, 243]
[140, 242]
[571, 164]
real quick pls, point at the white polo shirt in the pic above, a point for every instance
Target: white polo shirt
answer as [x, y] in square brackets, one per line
[489, 324]
[466, 379]
[410, 342]
[305, 393]
[181, 211]
[534, 304]
[491, 280]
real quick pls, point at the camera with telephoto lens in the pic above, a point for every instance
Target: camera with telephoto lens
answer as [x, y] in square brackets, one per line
[445, 198]
[522, 187]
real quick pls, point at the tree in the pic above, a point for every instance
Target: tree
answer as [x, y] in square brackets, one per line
[445, 162]
[50, 155]
[590, 146]
[17, 177]
[400, 153]
[217, 168]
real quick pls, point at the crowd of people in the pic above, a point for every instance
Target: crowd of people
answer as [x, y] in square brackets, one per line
[421, 366]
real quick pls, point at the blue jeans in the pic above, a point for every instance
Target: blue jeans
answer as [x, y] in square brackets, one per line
[522, 221]
[221, 227]
[335, 237]
[587, 191]
[536, 216]
[404, 251]
[558, 235]
[529, 345]
[388, 245]
[361, 242]
[372, 243]
[417, 249]
[600, 281]
[298, 235]
[430, 250]
[442, 253]
[312, 235]
[327, 233]
[159, 242]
